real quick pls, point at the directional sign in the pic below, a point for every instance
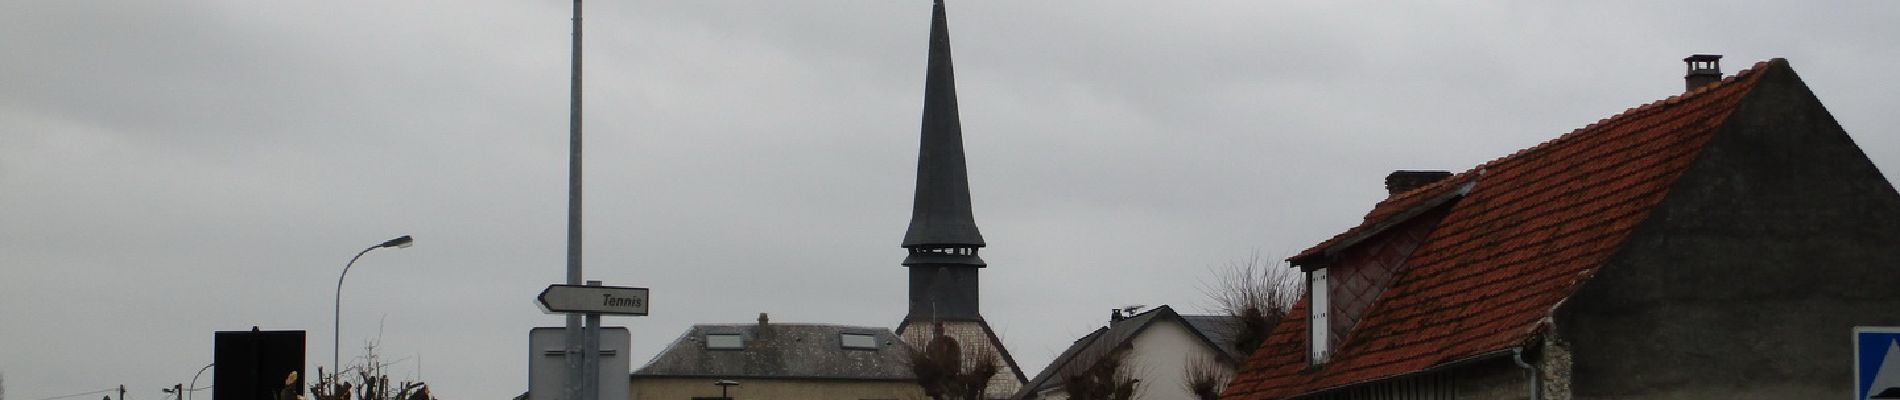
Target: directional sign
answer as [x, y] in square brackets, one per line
[611, 300]
[1876, 362]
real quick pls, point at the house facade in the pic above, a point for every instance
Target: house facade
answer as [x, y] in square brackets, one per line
[1160, 348]
[1718, 244]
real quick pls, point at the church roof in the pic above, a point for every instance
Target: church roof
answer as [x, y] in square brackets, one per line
[787, 351]
[940, 213]
[1520, 234]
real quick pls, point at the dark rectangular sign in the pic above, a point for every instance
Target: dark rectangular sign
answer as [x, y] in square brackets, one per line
[252, 365]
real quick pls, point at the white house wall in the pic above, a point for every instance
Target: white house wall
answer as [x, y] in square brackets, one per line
[1161, 357]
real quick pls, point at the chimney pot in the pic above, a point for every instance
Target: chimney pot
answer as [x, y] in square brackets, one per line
[1703, 69]
[1402, 181]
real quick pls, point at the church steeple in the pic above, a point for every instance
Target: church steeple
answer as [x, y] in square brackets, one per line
[942, 227]
[943, 239]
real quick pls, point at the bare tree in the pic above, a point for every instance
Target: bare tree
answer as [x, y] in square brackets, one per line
[3, 386]
[1256, 294]
[1206, 376]
[370, 382]
[945, 375]
[1107, 379]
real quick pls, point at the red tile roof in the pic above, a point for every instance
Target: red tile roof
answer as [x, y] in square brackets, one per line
[1533, 225]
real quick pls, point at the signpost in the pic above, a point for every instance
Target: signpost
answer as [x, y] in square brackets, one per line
[582, 330]
[582, 356]
[1876, 362]
[605, 300]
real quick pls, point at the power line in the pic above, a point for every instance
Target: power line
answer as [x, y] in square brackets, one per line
[80, 394]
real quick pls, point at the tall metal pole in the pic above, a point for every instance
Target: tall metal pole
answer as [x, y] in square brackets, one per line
[336, 316]
[336, 313]
[573, 331]
[590, 354]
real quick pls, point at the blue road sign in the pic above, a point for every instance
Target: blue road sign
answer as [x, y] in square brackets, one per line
[1876, 362]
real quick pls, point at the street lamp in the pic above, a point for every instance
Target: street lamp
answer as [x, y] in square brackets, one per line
[724, 384]
[194, 378]
[336, 324]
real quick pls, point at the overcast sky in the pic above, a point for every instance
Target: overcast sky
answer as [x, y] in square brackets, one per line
[173, 168]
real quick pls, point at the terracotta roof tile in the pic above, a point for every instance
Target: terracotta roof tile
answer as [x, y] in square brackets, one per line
[1533, 225]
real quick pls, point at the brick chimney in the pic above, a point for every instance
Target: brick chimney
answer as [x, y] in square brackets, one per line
[1704, 69]
[1402, 181]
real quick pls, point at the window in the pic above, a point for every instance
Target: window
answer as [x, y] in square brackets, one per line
[858, 341]
[724, 341]
[1317, 308]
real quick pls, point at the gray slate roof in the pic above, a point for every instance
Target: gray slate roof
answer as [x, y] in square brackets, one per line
[940, 210]
[798, 351]
[1218, 329]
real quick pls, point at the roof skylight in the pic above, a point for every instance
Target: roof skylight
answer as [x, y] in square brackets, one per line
[724, 341]
[858, 341]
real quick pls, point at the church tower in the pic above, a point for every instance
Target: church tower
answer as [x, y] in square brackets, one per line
[943, 239]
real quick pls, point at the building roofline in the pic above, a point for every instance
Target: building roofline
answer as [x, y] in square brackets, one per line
[638, 376]
[1497, 239]
[1086, 342]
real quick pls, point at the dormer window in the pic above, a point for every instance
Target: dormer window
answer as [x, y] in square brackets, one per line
[857, 341]
[724, 341]
[1318, 344]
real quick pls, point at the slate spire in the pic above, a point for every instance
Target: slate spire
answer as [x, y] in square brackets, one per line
[943, 241]
[942, 227]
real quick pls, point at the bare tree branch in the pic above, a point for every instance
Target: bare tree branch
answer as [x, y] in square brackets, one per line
[945, 375]
[1205, 376]
[371, 382]
[1256, 294]
[1108, 379]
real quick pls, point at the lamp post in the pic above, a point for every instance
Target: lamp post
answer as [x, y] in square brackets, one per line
[194, 378]
[336, 324]
[724, 384]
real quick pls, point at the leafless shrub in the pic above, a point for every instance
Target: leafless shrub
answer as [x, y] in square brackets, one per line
[1108, 379]
[369, 382]
[1256, 294]
[944, 374]
[1205, 376]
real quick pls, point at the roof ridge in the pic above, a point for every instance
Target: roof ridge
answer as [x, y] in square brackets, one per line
[1639, 109]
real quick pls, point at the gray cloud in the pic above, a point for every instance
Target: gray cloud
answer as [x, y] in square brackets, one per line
[174, 168]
